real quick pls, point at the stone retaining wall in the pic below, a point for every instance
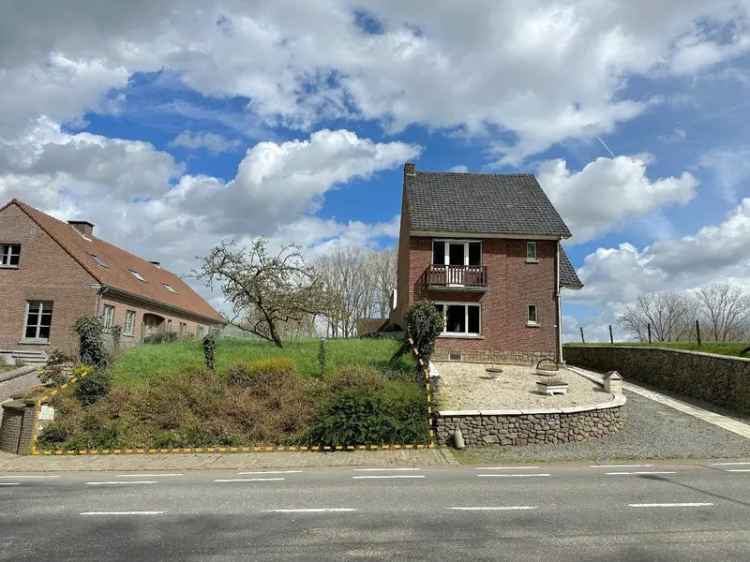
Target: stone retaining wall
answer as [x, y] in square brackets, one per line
[494, 357]
[722, 380]
[530, 427]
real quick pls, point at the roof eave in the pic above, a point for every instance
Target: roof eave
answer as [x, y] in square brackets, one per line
[161, 304]
[460, 234]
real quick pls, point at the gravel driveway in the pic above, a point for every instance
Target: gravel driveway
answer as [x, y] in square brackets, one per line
[652, 431]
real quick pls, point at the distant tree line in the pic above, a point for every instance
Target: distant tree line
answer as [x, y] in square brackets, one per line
[721, 309]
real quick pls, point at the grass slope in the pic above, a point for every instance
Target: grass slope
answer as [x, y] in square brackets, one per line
[151, 362]
[720, 348]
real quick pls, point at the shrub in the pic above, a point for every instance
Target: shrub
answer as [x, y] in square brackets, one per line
[260, 372]
[209, 349]
[90, 330]
[54, 372]
[53, 433]
[93, 388]
[161, 337]
[424, 324]
[365, 378]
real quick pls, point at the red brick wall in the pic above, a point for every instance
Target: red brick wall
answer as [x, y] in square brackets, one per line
[46, 272]
[513, 284]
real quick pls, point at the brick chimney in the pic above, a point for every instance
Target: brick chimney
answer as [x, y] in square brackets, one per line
[84, 227]
[410, 169]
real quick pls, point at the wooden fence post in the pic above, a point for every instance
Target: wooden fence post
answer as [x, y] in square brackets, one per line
[698, 332]
[611, 339]
[583, 340]
[649, 332]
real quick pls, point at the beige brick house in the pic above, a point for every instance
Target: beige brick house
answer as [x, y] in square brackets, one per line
[52, 272]
[486, 249]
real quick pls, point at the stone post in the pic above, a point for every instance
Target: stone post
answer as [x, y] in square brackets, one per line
[613, 382]
[19, 426]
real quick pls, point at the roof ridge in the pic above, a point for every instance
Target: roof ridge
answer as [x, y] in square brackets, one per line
[447, 173]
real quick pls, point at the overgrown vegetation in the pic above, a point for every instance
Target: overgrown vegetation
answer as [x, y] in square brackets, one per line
[164, 396]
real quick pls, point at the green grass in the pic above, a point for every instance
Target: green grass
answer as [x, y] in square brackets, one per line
[720, 348]
[151, 362]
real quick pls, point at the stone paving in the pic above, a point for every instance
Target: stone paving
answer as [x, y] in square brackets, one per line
[468, 386]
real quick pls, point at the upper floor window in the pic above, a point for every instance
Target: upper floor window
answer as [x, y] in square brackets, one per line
[10, 255]
[38, 320]
[137, 275]
[456, 252]
[531, 256]
[533, 316]
[108, 317]
[129, 327]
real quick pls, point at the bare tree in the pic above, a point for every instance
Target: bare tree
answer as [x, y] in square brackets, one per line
[382, 267]
[669, 315]
[726, 309]
[267, 292]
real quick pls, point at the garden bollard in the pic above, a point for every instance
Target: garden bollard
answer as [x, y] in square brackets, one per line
[458, 439]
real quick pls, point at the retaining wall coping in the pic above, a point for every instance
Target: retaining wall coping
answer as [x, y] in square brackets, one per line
[657, 348]
[500, 412]
[15, 373]
[614, 402]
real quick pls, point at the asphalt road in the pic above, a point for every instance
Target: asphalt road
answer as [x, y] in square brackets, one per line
[698, 511]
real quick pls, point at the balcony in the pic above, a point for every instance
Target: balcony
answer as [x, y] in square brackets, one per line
[456, 277]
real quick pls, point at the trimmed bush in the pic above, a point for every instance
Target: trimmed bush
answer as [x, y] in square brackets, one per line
[93, 388]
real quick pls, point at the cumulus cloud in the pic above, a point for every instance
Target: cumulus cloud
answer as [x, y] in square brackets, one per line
[486, 68]
[730, 168]
[608, 192]
[209, 141]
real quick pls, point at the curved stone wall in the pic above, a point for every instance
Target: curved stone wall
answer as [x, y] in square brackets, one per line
[530, 427]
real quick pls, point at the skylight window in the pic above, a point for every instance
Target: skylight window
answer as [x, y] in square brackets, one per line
[137, 275]
[169, 288]
[99, 261]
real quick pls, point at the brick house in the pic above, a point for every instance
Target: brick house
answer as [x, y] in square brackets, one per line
[52, 273]
[486, 249]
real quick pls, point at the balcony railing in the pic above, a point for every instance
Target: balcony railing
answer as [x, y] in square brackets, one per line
[467, 277]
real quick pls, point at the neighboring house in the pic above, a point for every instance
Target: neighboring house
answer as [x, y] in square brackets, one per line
[485, 248]
[52, 273]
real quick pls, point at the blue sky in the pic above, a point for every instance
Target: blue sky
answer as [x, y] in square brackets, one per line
[173, 126]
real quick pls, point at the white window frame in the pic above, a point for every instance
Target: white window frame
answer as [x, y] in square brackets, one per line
[129, 326]
[445, 333]
[6, 253]
[529, 321]
[137, 275]
[108, 316]
[199, 331]
[169, 288]
[529, 257]
[465, 242]
[38, 326]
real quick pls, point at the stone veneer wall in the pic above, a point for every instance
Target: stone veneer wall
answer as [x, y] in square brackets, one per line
[531, 427]
[18, 426]
[496, 357]
[722, 380]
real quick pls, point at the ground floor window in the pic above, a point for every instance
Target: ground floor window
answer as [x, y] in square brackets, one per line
[199, 331]
[38, 320]
[533, 318]
[460, 319]
[129, 327]
[108, 317]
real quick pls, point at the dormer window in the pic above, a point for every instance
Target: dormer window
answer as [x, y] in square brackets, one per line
[99, 261]
[10, 255]
[137, 275]
[169, 288]
[531, 256]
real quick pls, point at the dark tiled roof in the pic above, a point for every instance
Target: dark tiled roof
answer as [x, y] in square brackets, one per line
[119, 264]
[568, 275]
[369, 326]
[482, 204]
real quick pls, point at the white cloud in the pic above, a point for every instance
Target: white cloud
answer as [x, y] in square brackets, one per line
[608, 192]
[489, 67]
[730, 168]
[210, 141]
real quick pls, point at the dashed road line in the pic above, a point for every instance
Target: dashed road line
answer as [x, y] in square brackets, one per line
[737, 470]
[536, 475]
[112, 513]
[508, 468]
[315, 510]
[120, 482]
[731, 463]
[496, 508]
[693, 504]
[388, 477]
[28, 476]
[161, 475]
[269, 472]
[225, 480]
[401, 469]
[621, 466]
[639, 473]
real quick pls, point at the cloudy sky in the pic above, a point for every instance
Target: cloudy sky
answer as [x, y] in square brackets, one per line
[173, 125]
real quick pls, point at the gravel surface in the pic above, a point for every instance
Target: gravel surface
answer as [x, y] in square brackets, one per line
[468, 386]
[652, 431]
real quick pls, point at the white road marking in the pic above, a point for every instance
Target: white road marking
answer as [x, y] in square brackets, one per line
[639, 472]
[161, 475]
[730, 464]
[507, 468]
[10, 483]
[271, 472]
[737, 470]
[384, 469]
[249, 480]
[621, 466]
[28, 476]
[120, 482]
[316, 510]
[108, 513]
[498, 508]
[387, 476]
[695, 504]
[537, 475]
